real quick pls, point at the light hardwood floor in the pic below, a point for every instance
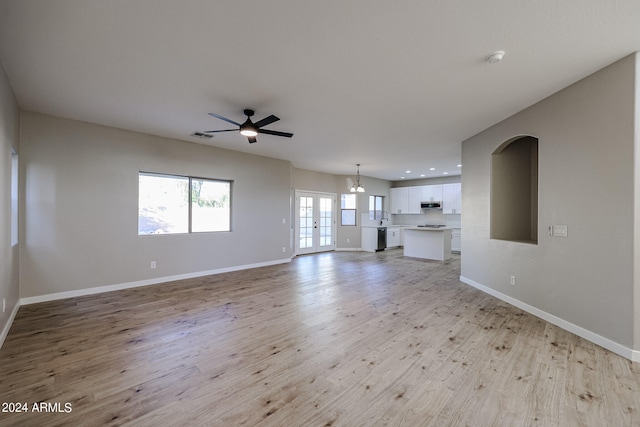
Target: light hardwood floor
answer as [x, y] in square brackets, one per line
[336, 339]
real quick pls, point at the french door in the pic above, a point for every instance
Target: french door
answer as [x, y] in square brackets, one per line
[315, 222]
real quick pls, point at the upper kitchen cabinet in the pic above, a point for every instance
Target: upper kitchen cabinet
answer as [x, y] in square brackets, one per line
[452, 198]
[416, 195]
[432, 193]
[399, 200]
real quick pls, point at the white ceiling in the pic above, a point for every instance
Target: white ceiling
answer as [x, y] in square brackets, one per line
[395, 86]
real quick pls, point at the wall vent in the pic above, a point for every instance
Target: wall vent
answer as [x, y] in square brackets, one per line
[202, 135]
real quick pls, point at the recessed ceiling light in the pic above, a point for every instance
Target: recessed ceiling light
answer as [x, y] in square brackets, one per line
[407, 171]
[402, 177]
[494, 57]
[432, 169]
[459, 166]
[421, 174]
[445, 173]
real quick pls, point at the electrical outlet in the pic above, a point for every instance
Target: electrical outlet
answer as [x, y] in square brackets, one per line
[348, 240]
[153, 264]
[512, 280]
[4, 305]
[284, 249]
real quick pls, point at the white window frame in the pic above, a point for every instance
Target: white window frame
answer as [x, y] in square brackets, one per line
[189, 203]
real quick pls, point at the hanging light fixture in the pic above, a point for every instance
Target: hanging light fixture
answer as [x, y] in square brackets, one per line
[357, 187]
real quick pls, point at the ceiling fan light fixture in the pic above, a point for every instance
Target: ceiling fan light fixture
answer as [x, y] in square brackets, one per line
[248, 129]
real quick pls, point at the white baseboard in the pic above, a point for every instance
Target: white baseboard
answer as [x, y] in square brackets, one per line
[147, 282]
[613, 346]
[348, 249]
[7, 326]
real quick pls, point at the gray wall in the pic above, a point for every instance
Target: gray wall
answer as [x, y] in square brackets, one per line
[80, 193]
[586, 181]
[9, 142]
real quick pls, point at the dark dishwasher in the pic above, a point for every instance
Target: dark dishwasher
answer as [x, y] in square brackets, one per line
[382, 239]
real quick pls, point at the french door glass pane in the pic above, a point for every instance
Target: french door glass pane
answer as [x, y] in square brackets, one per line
[326, 233]
[306, 222]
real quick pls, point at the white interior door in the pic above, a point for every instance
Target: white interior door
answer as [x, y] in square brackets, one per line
[316, 222]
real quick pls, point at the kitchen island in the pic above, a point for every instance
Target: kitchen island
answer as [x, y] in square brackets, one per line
[427, 243]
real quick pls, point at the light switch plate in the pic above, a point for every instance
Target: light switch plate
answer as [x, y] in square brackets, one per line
[560, 230]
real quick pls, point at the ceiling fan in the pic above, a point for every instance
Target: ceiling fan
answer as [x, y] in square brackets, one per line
[250, 129]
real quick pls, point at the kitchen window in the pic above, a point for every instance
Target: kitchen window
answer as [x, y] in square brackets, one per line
[348, 209]
[375, 207]
[171, 204]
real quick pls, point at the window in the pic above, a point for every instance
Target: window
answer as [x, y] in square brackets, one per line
[14, 199]
[348, 209]
[375, 207]
[169, 204]
[210, 205]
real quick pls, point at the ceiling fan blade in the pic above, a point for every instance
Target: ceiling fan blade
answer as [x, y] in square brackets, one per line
[224, 118]
[266, 121]
[275, 132]
[223, 130]
[252, 139]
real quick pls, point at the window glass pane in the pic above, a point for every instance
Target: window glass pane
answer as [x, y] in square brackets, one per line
[348, 217]
[348, 206]
[378, 203]
[348, 201]
[14, 199]
[375, 207]
[210, 205]
[163, 204]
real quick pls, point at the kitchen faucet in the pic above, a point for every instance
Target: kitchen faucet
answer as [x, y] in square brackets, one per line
[383, 216]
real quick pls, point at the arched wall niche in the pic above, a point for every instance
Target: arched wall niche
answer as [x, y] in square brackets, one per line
[514, 190]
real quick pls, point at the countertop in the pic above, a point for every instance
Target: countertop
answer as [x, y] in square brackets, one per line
[411, 227]
[429, 228]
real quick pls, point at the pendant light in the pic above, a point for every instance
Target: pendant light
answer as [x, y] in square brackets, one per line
[357, 187]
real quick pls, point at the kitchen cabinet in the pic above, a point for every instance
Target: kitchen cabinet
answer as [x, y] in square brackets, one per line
[427, 243]
[452, 198]
[415, 196]
[406, 200]
[369, 239]
[456, 240]
[432, 193]
[399, 200]
[393, 237]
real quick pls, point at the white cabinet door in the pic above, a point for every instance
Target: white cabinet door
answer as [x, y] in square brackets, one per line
[399, 200]
[432, 193]
[451, 198]
[393, 237]
[415, 197]
[456, 235]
